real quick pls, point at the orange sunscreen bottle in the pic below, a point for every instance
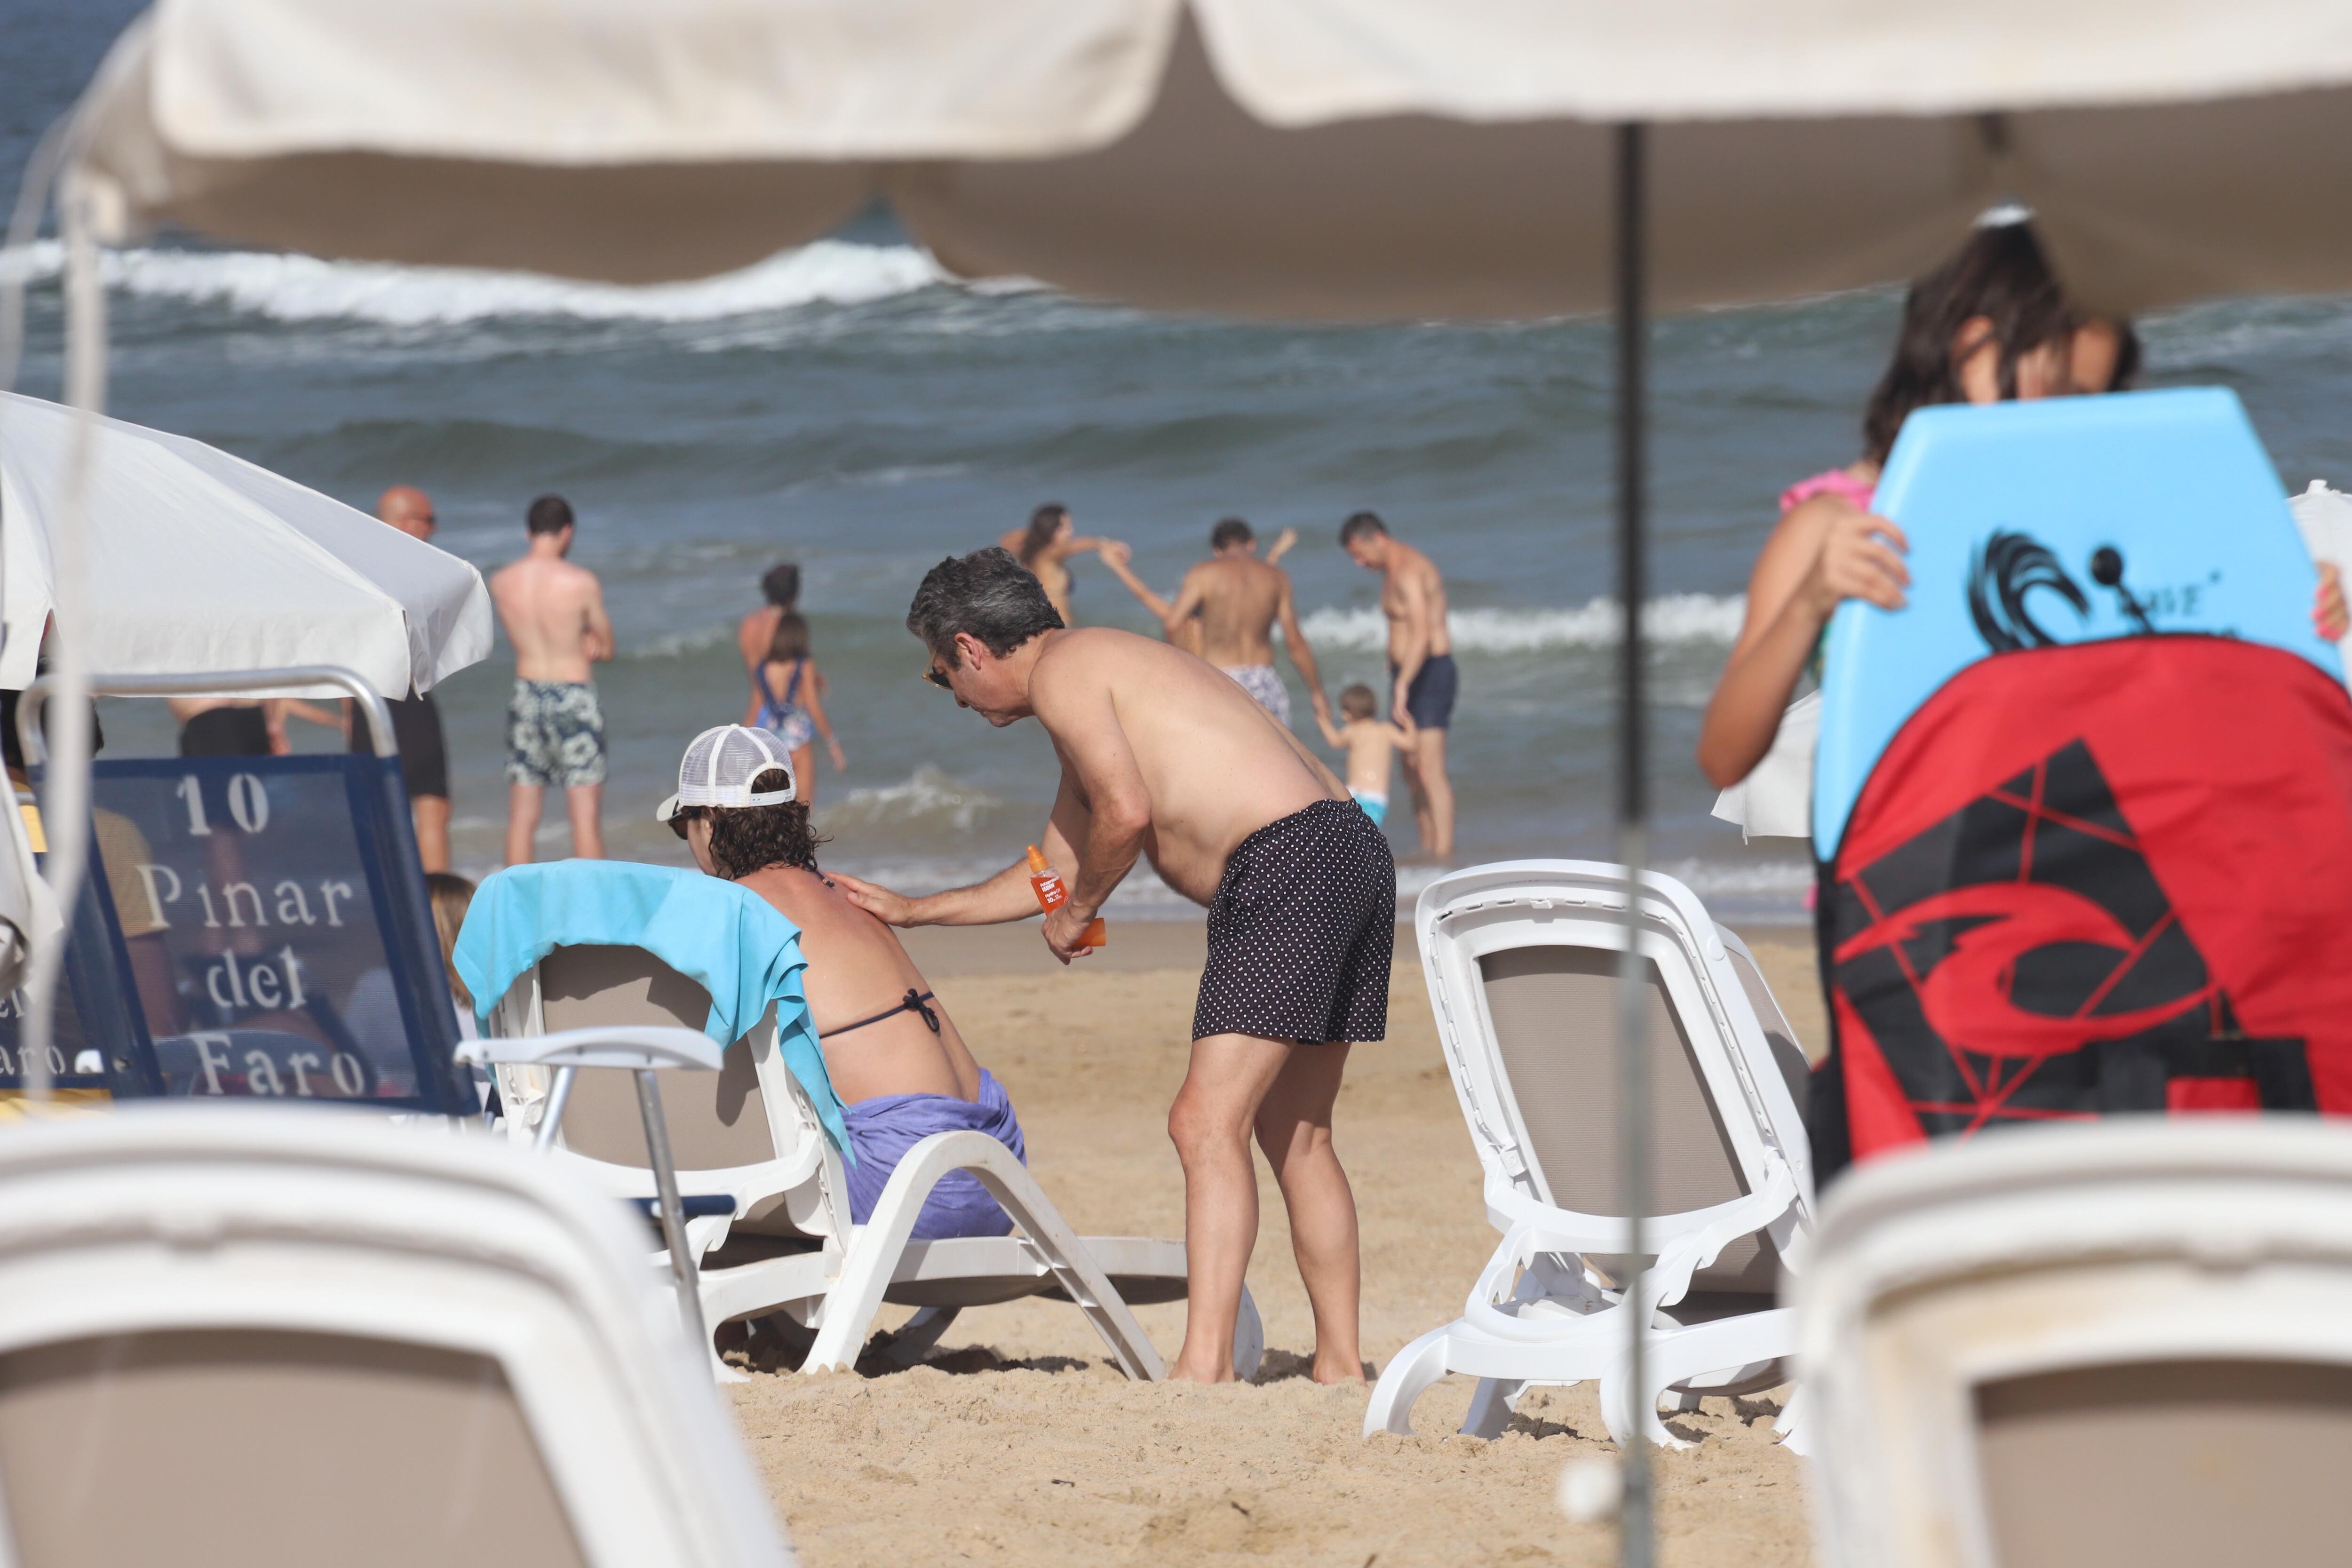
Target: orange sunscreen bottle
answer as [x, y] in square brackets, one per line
[1046, 883]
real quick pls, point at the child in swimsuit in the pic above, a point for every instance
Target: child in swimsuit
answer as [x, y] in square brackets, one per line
[1370, 743]
[784, 701]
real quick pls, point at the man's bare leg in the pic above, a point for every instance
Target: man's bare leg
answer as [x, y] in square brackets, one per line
[1437, 834]
[431, 814]
[1210, 1124]
[1409, 758]
[1294, 1128]
[585, 803]
[522, 821]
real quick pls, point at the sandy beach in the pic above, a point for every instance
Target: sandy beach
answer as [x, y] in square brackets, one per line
[1020, 1441]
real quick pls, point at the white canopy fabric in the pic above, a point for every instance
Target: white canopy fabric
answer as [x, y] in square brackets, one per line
[200, 561]
[1384, 158]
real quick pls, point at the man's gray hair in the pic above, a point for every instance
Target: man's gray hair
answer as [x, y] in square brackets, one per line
[987, 594]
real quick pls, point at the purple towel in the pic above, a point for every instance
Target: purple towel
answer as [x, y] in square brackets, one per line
[883, 1128]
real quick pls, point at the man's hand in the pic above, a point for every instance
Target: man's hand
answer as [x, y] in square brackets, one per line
[1063, 927]
[889, 908]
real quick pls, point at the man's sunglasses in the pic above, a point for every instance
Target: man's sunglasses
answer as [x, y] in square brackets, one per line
[937, 677]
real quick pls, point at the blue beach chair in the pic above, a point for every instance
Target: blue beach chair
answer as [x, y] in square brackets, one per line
[284, 941]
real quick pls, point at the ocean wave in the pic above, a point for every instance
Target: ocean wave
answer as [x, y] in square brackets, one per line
[1669, 618]
[928, 798]
[292, 287]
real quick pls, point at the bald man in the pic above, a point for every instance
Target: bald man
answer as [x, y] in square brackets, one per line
[415, 722]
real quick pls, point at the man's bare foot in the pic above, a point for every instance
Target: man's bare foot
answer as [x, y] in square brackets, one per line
[1337, 1372]
[1179, 1372]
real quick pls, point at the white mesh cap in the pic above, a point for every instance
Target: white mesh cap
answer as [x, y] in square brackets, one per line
[720, 766]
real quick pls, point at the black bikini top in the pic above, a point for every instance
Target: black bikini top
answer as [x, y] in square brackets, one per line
[913, 1002]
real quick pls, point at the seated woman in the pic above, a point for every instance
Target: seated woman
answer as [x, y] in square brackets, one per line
[895, 1058]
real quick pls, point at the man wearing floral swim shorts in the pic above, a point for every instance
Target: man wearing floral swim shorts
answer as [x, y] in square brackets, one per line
[554, 612]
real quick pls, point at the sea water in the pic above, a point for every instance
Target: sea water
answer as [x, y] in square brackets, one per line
[849, 408]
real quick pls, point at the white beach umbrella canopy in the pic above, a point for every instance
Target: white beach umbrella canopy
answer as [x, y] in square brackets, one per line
[1385, 158]
[199, 562]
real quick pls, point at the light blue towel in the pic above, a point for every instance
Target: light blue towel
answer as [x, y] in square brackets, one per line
[729, 939]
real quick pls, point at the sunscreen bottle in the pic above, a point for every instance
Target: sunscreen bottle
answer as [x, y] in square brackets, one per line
[1046, 883]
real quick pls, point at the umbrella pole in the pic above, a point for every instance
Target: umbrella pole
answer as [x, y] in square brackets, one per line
[1635, 1538]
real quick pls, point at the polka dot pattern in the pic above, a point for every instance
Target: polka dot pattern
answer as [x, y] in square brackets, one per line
[1302, 931]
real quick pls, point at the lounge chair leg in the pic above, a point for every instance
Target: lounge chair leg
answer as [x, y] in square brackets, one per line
[1249, 1339]
[1687, 1401]
[917, 1335]
[1490, 1407]
[1794, 1428]
[1410, 1373]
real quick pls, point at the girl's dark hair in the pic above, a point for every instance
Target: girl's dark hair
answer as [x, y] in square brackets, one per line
[792, 638]
[1043, 524]
[744, 839]
[2003, 275]
[782, 584]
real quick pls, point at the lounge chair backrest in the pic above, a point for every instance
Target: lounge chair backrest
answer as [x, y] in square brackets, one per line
[750, 1115]
[1522, 959]
[714, 1122]
[2119, 1341]
[278, 1338]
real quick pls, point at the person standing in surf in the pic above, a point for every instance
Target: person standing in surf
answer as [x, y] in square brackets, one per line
[554, 612]
[1423, 681]
[1230, 604]
[786, 701]
[1164, 758]
[1044, 548]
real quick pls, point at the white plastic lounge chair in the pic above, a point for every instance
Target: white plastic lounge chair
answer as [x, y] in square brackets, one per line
[767, 1207]
[240, 1337]
[1521, 959]
[2126, 1343]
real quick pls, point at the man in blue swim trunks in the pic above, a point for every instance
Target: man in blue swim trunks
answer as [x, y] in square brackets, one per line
[1421, 677]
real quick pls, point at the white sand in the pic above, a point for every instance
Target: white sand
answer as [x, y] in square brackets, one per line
[1021, 1441]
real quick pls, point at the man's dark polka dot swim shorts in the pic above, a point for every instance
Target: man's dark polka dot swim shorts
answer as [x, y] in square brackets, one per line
[1301, 932]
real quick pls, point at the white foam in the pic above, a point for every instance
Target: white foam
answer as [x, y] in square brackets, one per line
[928, 798]
[1669, 618]
[291, 287]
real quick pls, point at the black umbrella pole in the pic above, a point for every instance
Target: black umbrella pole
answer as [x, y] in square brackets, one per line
[1636, 1540]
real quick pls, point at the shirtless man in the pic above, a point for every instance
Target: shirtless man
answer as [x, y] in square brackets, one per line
[1421, 677]
[416, 721]
[1164, 758]
[895, 1057]
[554, 615]
[1046, 547]
[1235, 599]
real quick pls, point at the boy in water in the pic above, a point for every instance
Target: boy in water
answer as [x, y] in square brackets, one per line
[1370, 743]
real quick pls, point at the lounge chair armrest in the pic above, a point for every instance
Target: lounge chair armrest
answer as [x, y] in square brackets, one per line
[634, 1046]
[1668, 1279]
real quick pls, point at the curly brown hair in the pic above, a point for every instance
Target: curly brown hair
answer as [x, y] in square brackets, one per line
[744, 839]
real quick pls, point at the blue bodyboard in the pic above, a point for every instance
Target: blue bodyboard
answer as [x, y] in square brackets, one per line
[2071, 519]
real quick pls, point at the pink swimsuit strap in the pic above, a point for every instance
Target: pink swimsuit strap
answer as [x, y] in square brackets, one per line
[1835, 481]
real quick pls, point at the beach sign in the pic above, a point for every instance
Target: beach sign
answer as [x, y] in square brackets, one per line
[2057, 521]
[272, 910]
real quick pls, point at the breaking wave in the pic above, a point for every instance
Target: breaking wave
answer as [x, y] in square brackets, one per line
[291, 287]
[1669, 618]
[928, 799]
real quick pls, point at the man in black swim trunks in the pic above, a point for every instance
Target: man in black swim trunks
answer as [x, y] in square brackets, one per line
[1421, 677]
[1164, 757]
[416, 721]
